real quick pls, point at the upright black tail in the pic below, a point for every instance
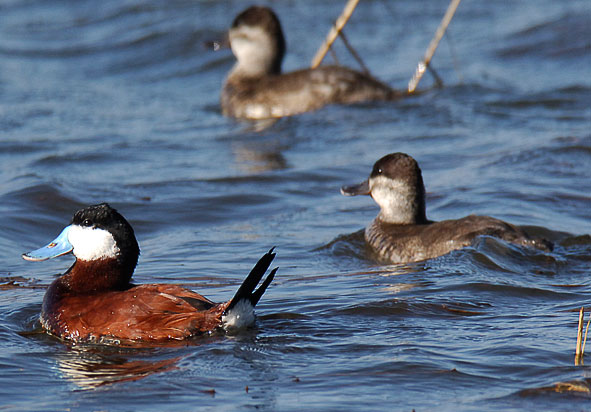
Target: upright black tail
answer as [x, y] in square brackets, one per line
[247, 291]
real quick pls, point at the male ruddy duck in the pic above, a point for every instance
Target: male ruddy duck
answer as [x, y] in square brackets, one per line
[402, 233]
[94, 300]
[256, 89]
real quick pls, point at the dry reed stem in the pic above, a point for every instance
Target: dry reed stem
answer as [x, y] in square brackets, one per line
[353, 52]
[334, 32]
[580, 331]
[578, 350]
[423, 64]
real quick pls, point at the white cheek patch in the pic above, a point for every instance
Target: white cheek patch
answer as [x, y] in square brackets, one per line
[92, 243]
[252, 47]
[394, 198]
[387, 191]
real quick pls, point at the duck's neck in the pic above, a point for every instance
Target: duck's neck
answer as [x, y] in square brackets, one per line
[106, 274]
[400, 204]
[254, 69]
[96, 276]
[402, 217]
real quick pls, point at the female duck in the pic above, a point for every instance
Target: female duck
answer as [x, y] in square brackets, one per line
[256, 89]
[402, 233]
[94, 300]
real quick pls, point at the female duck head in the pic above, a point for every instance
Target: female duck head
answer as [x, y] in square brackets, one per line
[257, 42]
[396, 185]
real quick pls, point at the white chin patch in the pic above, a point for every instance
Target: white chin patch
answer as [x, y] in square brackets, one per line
[92, 243]
[252, 47]
[239, 317]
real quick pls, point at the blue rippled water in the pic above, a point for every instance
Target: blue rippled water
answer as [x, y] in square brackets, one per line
[118, 101]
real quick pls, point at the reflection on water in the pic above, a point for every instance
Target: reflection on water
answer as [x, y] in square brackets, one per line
[258, 158]
[578, 388]
[91, 367]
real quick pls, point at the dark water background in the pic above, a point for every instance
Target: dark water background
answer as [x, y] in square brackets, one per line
[118, 101]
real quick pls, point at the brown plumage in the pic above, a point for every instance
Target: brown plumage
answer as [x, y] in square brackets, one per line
[141, 313]
[256, 89]
[94, 300]
[402, 233]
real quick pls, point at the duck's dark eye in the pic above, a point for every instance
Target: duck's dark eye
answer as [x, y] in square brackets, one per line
[380, 171]
[87, 223]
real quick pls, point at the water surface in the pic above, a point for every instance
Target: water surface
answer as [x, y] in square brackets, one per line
[119, 103]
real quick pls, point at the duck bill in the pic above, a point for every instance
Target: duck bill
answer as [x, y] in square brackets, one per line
[218, 44]
[356, 190]
[58, 247]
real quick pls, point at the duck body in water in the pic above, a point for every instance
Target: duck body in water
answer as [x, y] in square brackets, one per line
[94, 301]
[401, 232]
[256, 88]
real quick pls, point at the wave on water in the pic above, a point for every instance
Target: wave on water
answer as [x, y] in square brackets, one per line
[566, 37]
[113, 39]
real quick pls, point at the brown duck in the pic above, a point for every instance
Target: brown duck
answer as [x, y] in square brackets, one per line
[402, 233]
[255, 88]
[94, 300]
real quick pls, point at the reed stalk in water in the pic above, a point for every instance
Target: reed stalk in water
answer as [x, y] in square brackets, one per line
[424, 64]
[581, 341]
[334, 32]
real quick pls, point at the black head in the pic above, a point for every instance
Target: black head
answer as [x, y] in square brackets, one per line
[103, 216]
